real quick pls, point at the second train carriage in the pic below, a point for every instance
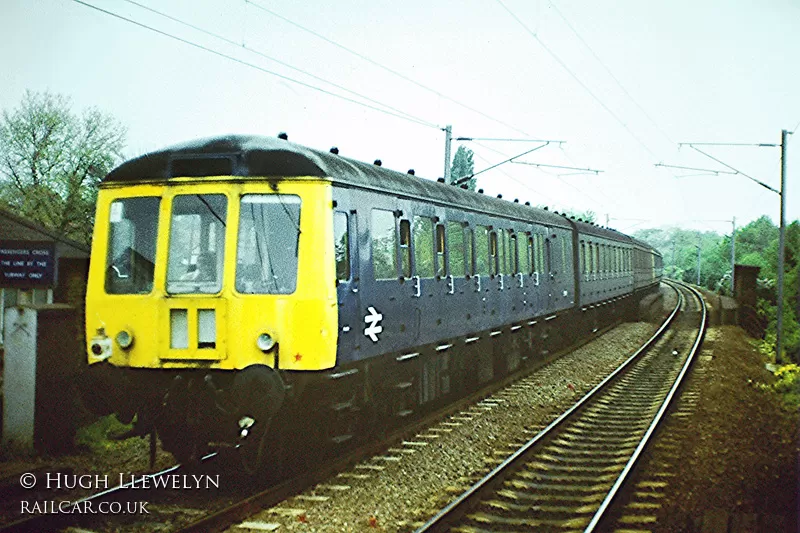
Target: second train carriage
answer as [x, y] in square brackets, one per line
[236, 278]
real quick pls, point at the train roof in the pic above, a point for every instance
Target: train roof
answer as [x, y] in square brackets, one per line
[643, 244]
[264, 157]
[585, 228]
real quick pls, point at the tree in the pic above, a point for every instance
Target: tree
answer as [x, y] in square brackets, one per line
[52, 161]
[587, 216]
[463, 166]
[756, 244]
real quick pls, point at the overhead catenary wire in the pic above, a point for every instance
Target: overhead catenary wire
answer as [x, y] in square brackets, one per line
[467, 178]
[536, 192]
[270, 58]
[404, 116]
[608, 70]
[576, 78]
[384, 67]
[735, 170]
[584, 193]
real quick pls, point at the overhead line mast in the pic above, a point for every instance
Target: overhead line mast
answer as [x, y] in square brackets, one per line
[781, 192]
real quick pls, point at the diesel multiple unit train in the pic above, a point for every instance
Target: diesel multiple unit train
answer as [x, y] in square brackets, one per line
[243, 288]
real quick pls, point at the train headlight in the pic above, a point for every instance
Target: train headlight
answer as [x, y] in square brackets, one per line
[100, 346]
[125, 339]
[265, 342]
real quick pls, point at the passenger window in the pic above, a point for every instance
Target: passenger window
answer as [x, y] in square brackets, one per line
[384, 260]
[440, 270]
[540, 254]
[423, 246]
[405, 248]
[513, 260]
[548, 256]
[455, 246]
[531, 255]
[341, 246]
[582, 258]
[493, 259]
[482, 250]
[502, 247]
[469, 252]
[601, 256]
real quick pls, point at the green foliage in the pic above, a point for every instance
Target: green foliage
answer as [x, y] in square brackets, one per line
[756, 245]
[787, 385]
[463, 166]
[679, 247]
[52, 160]
[586, 216]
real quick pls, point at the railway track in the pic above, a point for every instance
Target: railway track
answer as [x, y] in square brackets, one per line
[566, 477]
[334, 476]
[346, 469]
[221, 513]
[52, 512]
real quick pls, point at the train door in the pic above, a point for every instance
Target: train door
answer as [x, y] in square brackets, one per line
[345, 242]
[428, 284]
[563, 267]
[551, 272]
[387, 292]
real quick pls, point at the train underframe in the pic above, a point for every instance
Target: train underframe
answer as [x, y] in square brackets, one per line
[277, 420]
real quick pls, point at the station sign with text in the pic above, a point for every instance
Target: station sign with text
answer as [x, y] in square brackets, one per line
[27, 264]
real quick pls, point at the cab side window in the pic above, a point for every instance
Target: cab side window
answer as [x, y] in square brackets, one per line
[341, 246]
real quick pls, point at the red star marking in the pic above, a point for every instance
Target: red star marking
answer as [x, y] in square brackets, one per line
[297, 357]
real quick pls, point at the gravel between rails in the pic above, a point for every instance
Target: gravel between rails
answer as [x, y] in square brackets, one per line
[398, 491]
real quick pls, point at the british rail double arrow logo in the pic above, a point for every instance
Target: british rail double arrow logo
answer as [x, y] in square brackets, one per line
[373, 319]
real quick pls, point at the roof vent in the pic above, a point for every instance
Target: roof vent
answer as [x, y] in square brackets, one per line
[283, 135]
[412, 172]
[527, 203]
[464, 186]
[516, 200]
[480, 191]
[377, 162]
[335, 150]
[439, 180]
[546, 208]
[499, 195]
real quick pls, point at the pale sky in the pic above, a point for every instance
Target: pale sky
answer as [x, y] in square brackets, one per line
[622, 82]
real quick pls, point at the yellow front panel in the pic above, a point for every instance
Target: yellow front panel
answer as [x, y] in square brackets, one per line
[169, 330]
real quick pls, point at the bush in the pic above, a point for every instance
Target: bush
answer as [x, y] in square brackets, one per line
[787, 385]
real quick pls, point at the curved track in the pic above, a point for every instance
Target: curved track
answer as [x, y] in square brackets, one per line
[566, 477]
